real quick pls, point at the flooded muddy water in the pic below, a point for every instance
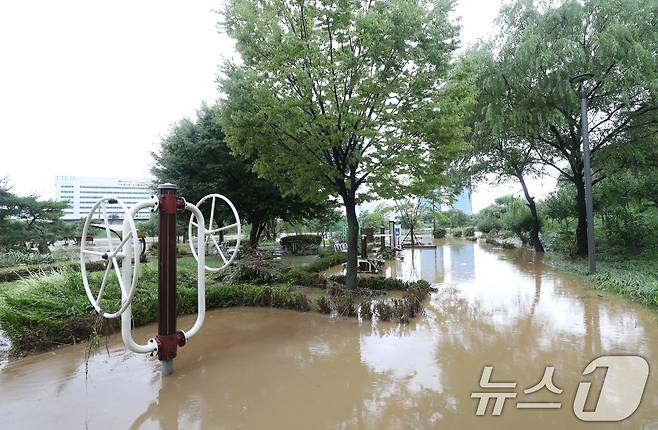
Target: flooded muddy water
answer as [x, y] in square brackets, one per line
[274, 369]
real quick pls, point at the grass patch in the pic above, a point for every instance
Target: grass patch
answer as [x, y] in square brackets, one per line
[9, 274]
[634, 278]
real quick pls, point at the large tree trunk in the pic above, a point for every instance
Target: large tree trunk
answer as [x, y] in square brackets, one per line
[534, 230]
[254, 234]
[352, 241]
[581, 229]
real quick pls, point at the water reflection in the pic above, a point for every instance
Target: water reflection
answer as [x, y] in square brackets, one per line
[263, 368]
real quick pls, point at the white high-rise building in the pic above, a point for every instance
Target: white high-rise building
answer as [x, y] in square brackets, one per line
[83, 192]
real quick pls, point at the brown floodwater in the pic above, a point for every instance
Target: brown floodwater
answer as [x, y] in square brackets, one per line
[275, 369]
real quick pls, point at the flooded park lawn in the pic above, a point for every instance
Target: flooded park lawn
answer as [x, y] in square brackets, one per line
[267, 368]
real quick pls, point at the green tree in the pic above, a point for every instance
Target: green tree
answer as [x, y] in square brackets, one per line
[323, 222]
[540, 47]
[496, 155]
[195, 157]
[331, 97]
[30, 222]
[375, 218]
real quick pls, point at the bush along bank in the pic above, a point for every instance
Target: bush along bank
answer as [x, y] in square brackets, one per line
[52, 310]
[367, 301]
[48, 310]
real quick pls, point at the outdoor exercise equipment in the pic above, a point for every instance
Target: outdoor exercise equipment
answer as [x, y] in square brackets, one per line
[124, 260]
[210, 232]
[119, 234]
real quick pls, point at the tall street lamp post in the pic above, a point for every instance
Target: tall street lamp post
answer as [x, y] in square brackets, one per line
[582, 92]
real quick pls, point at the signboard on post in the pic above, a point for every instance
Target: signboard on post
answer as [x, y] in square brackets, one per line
[397, 236]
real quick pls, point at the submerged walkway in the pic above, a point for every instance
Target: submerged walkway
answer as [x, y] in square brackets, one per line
[266, 368]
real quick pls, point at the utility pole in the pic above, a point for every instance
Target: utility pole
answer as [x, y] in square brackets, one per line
[589, 206]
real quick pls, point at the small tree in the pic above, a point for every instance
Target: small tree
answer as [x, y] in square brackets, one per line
[30, 222]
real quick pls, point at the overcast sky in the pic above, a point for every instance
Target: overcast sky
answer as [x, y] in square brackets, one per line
[88, 88]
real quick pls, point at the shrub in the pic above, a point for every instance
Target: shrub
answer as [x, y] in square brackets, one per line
[439, 233]
[456, 232]
[299, 276]
[258, 271]
[301, 242]
[381, 283]
[326, 261]
[626, 229]
[366, 310]
[322, 305]
[343, 304]
[15, 258]
[469, 231]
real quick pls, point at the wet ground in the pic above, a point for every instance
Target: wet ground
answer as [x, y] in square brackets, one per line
[266, 368]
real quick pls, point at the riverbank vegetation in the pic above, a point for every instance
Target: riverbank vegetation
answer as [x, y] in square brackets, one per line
[47, 310]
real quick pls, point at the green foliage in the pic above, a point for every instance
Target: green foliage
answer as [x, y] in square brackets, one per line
[150, 228]
[301, 240]
[627, 229]
[531, 101]
[632, 277]
[327, 221]
[376, 218]
[469, 232]
[196, 158]
[456, 232]
[507, 213]
[329, 98]
[30, 222]
[326, 261]
[302, 277]
[12, 273]
[517, 219]
[14, 258]
[453, 218]
[560, 205]
[439, 233]
[382, 283]
[50, 310]
[638, 286]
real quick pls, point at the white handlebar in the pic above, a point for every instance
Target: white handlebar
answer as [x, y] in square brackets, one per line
[126, 316]
[201, 274]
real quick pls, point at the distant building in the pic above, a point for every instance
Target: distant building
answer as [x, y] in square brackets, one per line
[462, 202]
[83, 192]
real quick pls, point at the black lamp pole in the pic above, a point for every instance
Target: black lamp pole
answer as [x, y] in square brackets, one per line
[589, 206]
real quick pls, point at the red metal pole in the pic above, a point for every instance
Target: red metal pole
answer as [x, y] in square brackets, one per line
[167, 339]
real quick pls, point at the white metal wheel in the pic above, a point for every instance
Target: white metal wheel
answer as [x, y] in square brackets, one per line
[209, 236]
[112, 257]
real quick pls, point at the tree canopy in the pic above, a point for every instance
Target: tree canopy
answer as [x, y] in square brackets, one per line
[347, 99]
[196, 158]
[27, 222]
[532, 103]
